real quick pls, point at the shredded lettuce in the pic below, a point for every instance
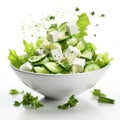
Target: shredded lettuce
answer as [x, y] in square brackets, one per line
[83, 21]
[102, 59]
[16, 60]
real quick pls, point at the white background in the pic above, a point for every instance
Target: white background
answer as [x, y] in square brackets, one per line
[12, 12]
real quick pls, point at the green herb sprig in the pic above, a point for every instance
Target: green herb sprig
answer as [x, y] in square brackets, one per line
[27, 99]
[71, 103]
[102, 97]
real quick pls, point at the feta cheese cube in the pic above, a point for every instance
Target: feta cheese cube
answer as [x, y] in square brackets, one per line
[78, 65]
[42, 50]
[57, 54]
[71, 53]
[26, 67]
[72, 28]
[53, 36]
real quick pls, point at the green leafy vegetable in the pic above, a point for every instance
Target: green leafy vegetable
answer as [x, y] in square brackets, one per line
[102, 15]
[102, 59]
[52, 17]
[29, 48]
[92, 13]
[83, 21]
[13, 91]
[16, 60]
[102, 97]
[98, 93]
[77, 9]
[27, 100]
[71, 103]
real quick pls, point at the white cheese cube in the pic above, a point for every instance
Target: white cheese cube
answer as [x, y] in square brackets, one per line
[71, 53]
[72, 28]
[42, 50]
[26, 67]
[78, 65]
[53, 36]
[57, 54]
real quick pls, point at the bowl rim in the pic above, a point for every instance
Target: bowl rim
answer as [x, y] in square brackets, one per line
[71, 74]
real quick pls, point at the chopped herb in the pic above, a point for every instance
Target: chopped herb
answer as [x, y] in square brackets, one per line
[98, 93]
[77, 9]
[96, 24]
[27, 100]
[102, 97]
[17, 103]
[106, 100]
[13, 91]
[92, 13]
[71, 103]
[52, 17]
[94, 35]
[102, 15]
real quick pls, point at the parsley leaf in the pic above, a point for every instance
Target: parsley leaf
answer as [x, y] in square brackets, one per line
[102, 15]
[13, 91]
[71, 103]
[77, 9]
[92, 13]
[51, 17]
[27, 99]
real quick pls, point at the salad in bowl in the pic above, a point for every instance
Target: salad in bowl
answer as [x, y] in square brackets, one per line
[61, 63]
[62, 51]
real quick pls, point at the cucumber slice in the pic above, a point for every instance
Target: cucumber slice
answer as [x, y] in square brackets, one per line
[81, 45]
[72, 41]
[91, 67]
[62, 27]
[87, 54]
[41, 70]
[36, 58]
[53, 67]
[41, 62]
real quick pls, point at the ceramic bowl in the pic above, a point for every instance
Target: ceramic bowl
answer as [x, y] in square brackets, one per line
[60, 86]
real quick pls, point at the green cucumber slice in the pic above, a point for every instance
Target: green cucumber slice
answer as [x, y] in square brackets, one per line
[35, 58]
[87, 54]
[53, 67]
[41, 70]
[91, 67]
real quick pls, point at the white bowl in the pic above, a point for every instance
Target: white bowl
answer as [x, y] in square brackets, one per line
[60, 86]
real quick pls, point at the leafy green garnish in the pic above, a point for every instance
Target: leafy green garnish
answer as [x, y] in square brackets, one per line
[13, 91]
[102, 97]
[98, 93]
[102, 15]
[16, 60]
[92, 13]
[27, 100]
[71, 103]
[51, 17]
[77, 9]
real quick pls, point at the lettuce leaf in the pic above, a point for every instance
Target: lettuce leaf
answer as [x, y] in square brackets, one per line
[102, 59]
[29, 48]
[83, 22]
[16, 60]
